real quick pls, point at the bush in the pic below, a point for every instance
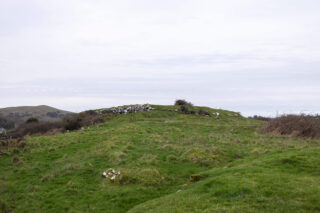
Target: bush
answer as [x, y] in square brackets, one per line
[306, 126]
[184, 109]
[202, 112]
[72, 123]
[181, 102]
[90, 112]
[83, 119]
[260, 118]
[35, 128]
[32, 120]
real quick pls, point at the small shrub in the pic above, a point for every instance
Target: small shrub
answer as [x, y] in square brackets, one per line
[260, 118]
[32, 120]
[72, 123]
[181, 102]
[203, 112]
[184, 109]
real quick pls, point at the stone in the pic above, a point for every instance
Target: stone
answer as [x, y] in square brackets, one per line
[111, 174]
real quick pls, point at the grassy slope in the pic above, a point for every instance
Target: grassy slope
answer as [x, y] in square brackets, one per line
[157, 151]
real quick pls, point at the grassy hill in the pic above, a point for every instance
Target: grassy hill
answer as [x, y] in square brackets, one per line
[241, 169]
[22, 113]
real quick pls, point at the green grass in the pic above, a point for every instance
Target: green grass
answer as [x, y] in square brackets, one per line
[242, 169]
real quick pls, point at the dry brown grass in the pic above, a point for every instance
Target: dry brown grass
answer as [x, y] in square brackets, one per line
[305, 126]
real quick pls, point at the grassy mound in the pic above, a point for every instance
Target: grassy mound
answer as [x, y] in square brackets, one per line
[157, 152]
[283, 182]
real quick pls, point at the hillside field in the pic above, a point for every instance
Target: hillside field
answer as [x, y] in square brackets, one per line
[240, 168]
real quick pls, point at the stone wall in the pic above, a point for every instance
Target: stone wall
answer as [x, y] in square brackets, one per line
[126, 110]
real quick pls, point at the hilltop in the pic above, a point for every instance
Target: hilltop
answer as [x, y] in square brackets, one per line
[169, 161]
[20, 114]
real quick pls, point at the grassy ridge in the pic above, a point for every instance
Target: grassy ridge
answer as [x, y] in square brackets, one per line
[157, 151]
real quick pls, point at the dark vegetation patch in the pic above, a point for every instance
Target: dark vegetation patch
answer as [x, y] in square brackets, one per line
[182, 102]
[86, 118]
[32, 126]
[5, 123]
[32, 120]
[185, 109]
[203, 112]
[260, 118]
[53, 114]
[305, 126]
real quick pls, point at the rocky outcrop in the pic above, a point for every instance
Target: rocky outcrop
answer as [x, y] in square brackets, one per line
[126, 110]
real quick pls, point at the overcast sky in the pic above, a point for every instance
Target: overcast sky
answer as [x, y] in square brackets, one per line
[252, 56]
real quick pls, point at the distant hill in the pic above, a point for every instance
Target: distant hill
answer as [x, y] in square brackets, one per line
[20, 114]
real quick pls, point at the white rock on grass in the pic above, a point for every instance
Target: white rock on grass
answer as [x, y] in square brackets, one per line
[111, 174]
[130, 109]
